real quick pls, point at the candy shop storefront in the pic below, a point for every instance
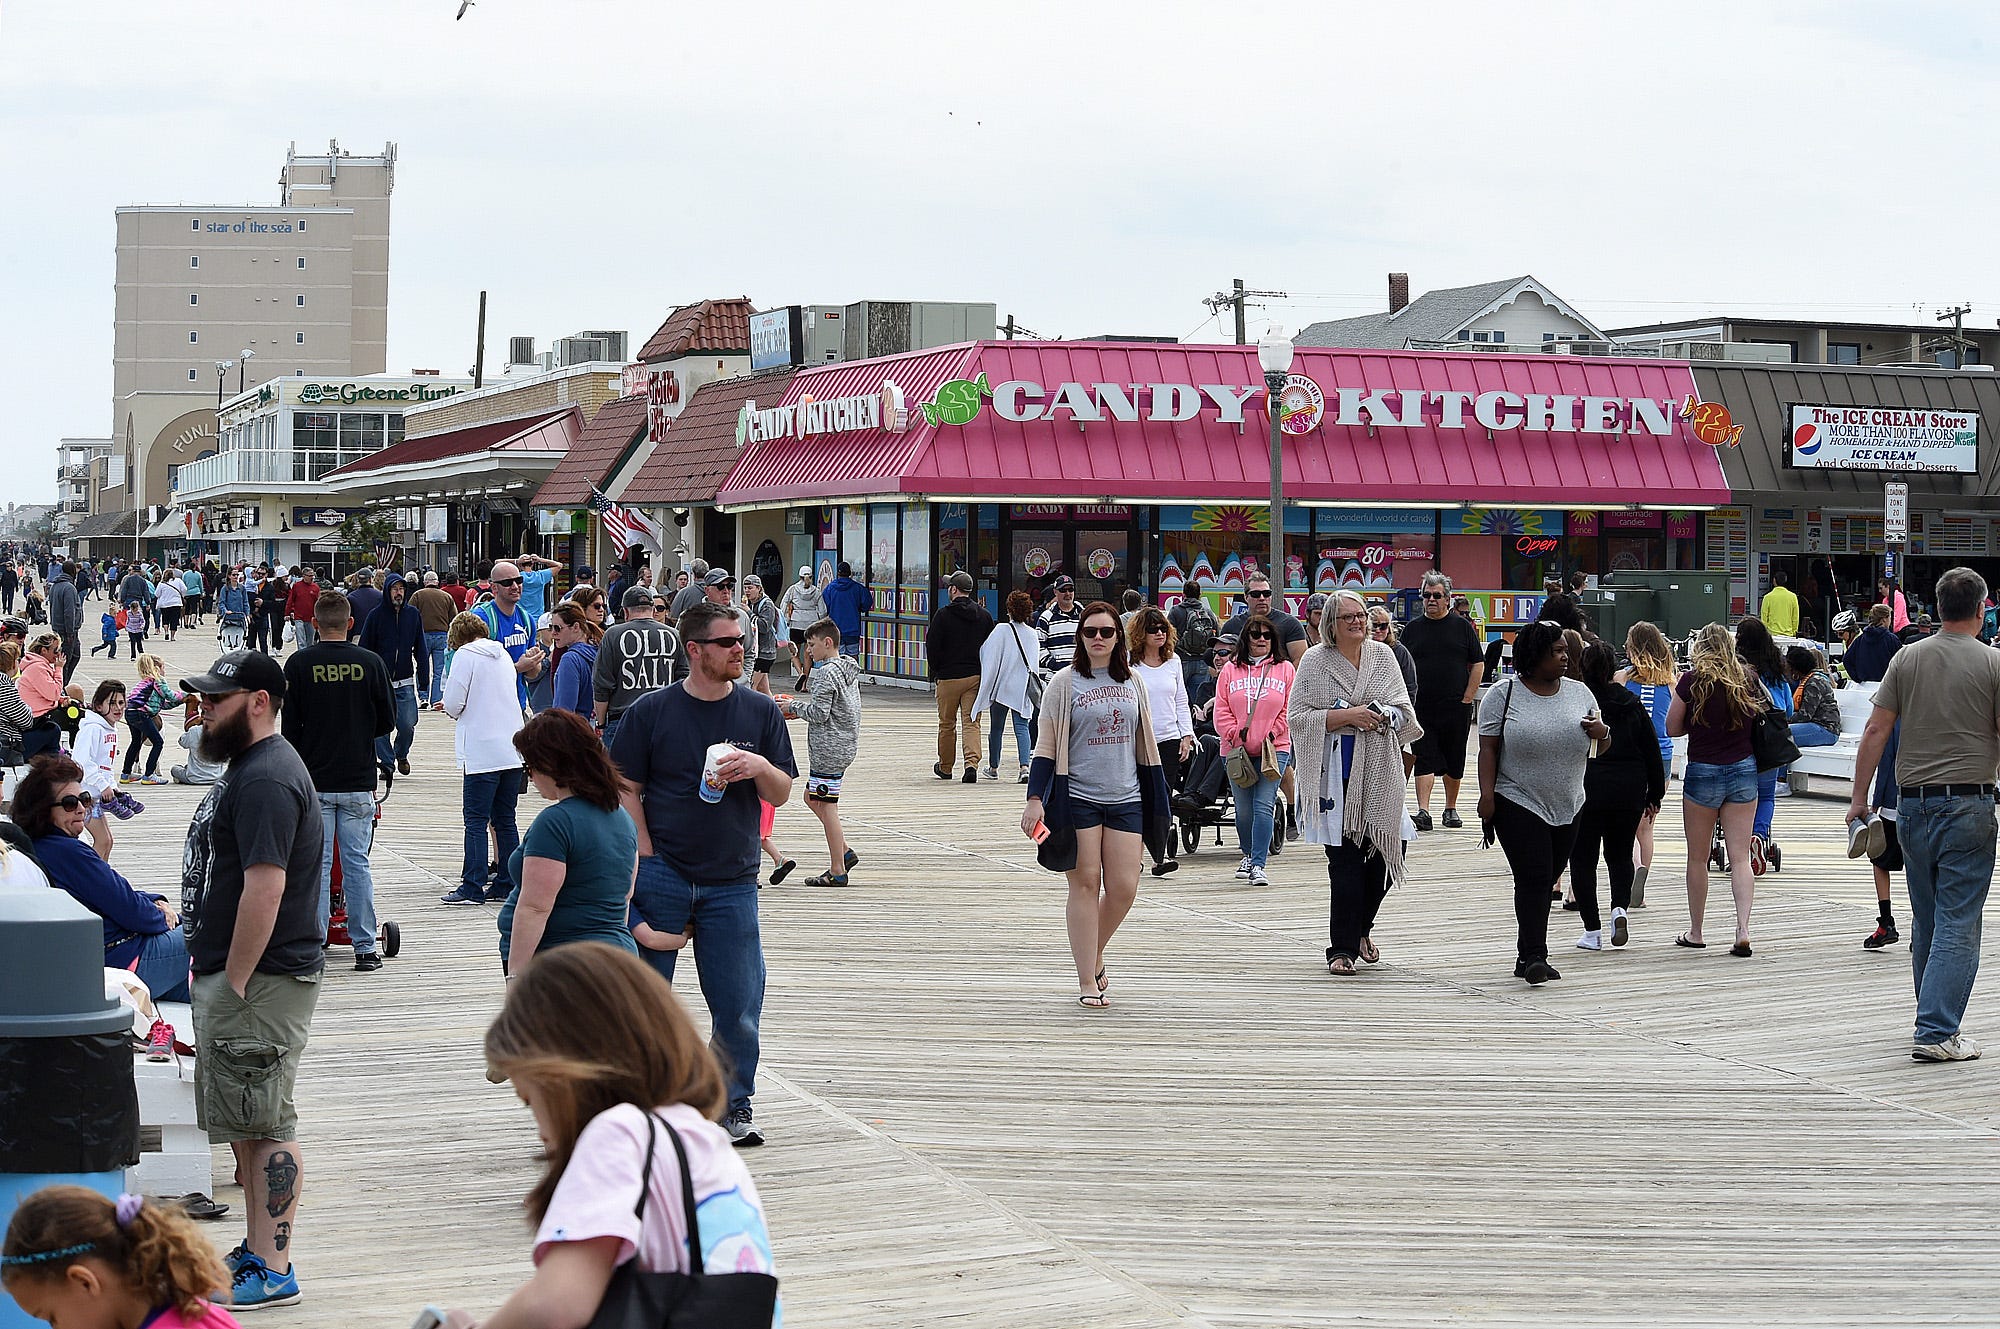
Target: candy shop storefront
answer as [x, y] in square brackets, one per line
[1147, 466]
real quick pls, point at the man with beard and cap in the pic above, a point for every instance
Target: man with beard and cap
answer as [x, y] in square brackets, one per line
[250, 907]
[395, 632]
[338, 707]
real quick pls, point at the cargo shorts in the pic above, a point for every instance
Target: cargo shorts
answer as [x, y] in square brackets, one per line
[247, 1053]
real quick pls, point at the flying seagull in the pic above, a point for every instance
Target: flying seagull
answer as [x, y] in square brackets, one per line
[462, 7]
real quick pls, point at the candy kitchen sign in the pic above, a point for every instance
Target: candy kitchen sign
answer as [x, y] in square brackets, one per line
[1305, 405]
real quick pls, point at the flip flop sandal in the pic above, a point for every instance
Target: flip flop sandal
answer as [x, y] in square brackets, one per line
[1369, 952]
[196, 1205]
[1095, 1001]
[1341, 967]
[1741, 949]
[783, 871]
[1682, 940]
[1101, 984]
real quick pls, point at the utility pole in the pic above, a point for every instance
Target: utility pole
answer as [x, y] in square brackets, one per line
[479, 350]
[1956, 316]
[1008, 331]
[1239, 299]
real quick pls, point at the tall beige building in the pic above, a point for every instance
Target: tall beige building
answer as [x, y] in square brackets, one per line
[303, 286]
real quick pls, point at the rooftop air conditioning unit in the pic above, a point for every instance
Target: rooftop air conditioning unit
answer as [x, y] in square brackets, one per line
[520, 350]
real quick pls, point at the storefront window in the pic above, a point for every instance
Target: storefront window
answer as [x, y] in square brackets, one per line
[1103, 564]
[854, 538]
[913, 594]
[882, 554]
[1035, 554]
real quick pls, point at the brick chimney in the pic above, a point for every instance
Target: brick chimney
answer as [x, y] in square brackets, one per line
[1399, 291]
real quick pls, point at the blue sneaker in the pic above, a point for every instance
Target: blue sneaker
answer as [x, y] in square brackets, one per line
[236, 1257]
[254, 1287]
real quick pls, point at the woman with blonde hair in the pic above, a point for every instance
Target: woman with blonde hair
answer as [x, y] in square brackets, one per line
[143, 707]
[1650, 677]
[1349, 715]
[1715, 705]
[625, 1097]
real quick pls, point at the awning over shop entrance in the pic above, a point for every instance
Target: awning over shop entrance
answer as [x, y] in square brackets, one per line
[1139, 422]
[511, 456]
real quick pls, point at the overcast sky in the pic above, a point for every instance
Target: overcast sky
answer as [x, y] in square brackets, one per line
[1090, 166]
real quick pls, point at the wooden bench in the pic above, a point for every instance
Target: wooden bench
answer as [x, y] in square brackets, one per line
[178, 1161]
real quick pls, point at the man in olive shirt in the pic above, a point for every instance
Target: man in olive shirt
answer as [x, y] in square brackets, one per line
[1946, 692]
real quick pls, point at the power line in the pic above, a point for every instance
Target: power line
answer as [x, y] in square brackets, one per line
[1239, 299]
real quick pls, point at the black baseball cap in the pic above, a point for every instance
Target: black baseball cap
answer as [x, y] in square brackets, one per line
[637, 597]
[1065, 583]
[240, 671]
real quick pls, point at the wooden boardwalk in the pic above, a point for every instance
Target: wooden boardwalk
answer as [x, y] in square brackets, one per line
[1663, 1137]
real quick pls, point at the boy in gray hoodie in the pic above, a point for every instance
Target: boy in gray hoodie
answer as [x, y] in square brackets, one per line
[832, 713]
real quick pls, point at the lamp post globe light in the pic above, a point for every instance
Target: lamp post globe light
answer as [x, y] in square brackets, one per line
[222, 368]
[242, 363]
[1274, 353]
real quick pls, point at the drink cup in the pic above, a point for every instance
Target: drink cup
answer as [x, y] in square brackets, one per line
[713, 786]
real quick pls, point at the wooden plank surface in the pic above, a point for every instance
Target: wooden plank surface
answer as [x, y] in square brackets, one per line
[1664, 1136]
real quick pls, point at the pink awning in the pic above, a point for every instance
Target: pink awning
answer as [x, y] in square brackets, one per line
[1414, 430]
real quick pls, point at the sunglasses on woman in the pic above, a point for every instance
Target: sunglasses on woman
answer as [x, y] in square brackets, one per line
[1100, 633]
[71, 802]
[1261, 636]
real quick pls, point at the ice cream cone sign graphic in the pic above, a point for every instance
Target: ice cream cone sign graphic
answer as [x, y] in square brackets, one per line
[1710, 422]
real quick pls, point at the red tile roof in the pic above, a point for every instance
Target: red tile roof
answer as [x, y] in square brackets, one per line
[452, 443]
[700, 446]
[722, 326]
[590, 460]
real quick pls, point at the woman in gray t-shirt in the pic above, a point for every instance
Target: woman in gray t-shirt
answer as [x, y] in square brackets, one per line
[1536, 731]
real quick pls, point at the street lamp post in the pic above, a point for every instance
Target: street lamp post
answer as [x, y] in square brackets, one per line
[1274, 353]
[222, 368]
[243, 363]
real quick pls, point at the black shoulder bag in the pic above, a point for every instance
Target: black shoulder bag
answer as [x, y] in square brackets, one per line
[640, 1299]
[1771, 740]
[1486, 832]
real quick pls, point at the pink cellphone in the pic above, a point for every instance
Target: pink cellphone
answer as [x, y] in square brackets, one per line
[1040, 833]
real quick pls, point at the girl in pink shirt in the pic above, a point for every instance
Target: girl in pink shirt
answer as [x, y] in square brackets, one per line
[1251, 696]
[76, 1259]
[600, 1050]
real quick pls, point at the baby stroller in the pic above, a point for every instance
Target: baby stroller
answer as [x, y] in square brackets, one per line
[336, 923]
[1201, 800]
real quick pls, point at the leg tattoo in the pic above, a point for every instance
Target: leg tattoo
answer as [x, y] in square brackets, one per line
[281, 1180]
[284, 1236]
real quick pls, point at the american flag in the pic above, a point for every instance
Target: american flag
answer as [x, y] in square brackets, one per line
[618, 523]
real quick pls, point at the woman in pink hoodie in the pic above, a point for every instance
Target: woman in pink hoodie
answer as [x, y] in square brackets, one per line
[1251, 696]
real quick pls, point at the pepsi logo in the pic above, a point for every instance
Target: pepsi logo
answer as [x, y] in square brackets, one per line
[1806, 440]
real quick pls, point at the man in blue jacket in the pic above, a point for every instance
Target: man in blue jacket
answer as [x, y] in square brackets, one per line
[395, 631]
[846, 601]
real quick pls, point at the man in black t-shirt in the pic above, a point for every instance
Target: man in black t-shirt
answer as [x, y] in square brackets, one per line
[697, 854]
[249, 901]
[1291, 633]
[338, 702]
[1450, 664]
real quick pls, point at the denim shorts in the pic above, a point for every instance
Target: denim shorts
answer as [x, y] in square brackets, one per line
[1712, 786]
[1084, 814]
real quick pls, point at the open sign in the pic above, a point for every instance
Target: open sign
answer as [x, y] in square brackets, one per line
[1535, 546]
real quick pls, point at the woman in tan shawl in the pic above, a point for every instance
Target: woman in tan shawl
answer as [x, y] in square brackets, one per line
[1350, 716]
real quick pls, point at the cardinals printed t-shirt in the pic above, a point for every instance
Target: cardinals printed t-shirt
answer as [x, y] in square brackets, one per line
[1103, 767]
[600, 1187]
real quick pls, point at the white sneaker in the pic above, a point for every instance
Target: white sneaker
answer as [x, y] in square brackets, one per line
[1956, 1048]
[1619, 928]
[1782, 791]
[1591, 941]
[988, 773]
[1857, 837]
[1243, 869]
[1257, 877]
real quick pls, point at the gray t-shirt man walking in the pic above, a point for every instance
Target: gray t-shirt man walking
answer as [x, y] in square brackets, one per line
[1945, 690]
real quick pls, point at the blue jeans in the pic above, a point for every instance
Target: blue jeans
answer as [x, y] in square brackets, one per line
[851, 649]
[434, 650]
[1767, 803]
[731, 955]
[1809, 735]
[490, 797]
[350, 820]
[387, 753]
[1948, 863]
[163, 965]
[1023, 746]
[1256, 814]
